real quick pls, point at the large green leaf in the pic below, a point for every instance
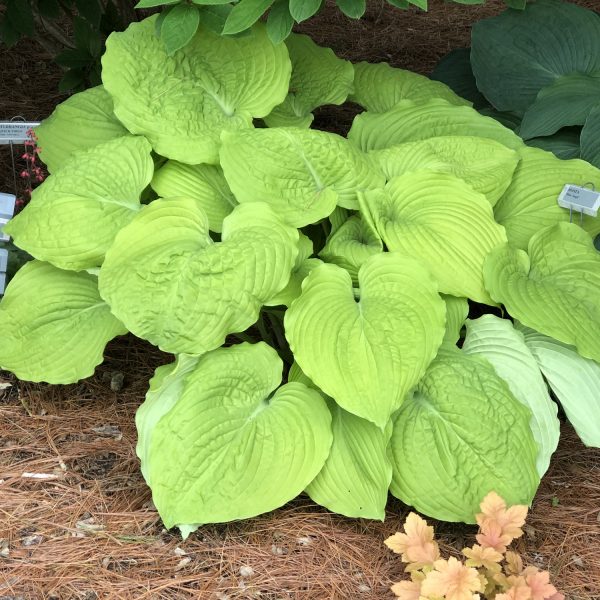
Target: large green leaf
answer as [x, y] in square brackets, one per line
[54, 325]
[516, 54]
[440, 220]
[351, 245]
[80, 122]
[355, 478]
[302, 174]
[204, 183]
[367, 347]
[484, 164]
[554, 288]
[590, 138]
[318, 77]
[504, 347]
[379, 87]
[74, 216]
[230, 446]
[574, 380]
[531, 201]
[461, 435]
[170, 284]
[183, 102]
[567, 101]
[410, 121]
[565, 144]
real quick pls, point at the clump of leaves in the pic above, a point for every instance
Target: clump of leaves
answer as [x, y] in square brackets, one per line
[544, 82]
[489, 569]
[315, 288]
[180, 19]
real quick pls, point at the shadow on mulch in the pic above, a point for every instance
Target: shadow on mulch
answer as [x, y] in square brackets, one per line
[87, 529]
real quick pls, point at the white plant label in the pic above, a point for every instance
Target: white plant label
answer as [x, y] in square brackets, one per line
[7, 209]
[15, 132]
[3, 267]
[580, 199]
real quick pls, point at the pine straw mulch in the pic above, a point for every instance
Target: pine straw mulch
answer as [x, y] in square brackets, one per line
[76, 519]
[88, 530]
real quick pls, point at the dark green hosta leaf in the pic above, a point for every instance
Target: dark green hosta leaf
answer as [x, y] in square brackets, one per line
[552, 288]
[220, 441]
[516, 54]
[354, 9]
[20, 15]
[455, 71]
[54, 324]
[279, 21]
[566, 102]
[590, 138]
[304, 9]
[476, 435]
[565, 144]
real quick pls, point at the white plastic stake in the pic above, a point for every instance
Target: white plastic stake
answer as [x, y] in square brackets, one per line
[580, 199]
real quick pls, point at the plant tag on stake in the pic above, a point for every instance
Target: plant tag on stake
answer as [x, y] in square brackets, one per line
[3, 267]
[15, 132]
[580, 199]
[7, 209]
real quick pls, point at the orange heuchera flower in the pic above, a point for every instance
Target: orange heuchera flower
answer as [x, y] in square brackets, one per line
[452, 580]
[416, 545]
[510, 520]
[478, 556]
[539, 584]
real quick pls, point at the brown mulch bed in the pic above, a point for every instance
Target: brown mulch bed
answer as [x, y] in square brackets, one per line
[88, 530]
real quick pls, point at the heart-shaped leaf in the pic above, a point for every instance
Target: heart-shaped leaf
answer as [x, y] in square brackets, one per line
[443, 222]
[219, 443]
[367, 353]
[54, 325]
[170, 284]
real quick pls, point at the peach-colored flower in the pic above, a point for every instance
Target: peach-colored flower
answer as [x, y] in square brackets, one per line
[478, 556]
[452, 580]
[539, 584]
[416, 545]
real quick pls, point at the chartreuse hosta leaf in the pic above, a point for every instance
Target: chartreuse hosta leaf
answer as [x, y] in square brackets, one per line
[566, 102]
[74, 216]
[318, 77]
[477, 437]
[379, 87]
[204, 183]
[82, 121]
[351, 245]
[366, 347]
[574, 380]
[183, 102]
[538, 46]
[440, 220]
[303, 265]
[554, 288]
[531, 201]
[302, 174]
[170, 284]
[504, 347]
[220, 442]
[54, 325]
[457, 310]
[484, 164]
[411, 121]
[356, 476]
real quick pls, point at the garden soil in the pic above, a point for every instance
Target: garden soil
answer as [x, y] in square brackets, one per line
[76, 519]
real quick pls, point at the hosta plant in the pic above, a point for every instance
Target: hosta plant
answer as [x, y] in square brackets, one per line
[537, 70]
[314, 288]
[489, 570]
